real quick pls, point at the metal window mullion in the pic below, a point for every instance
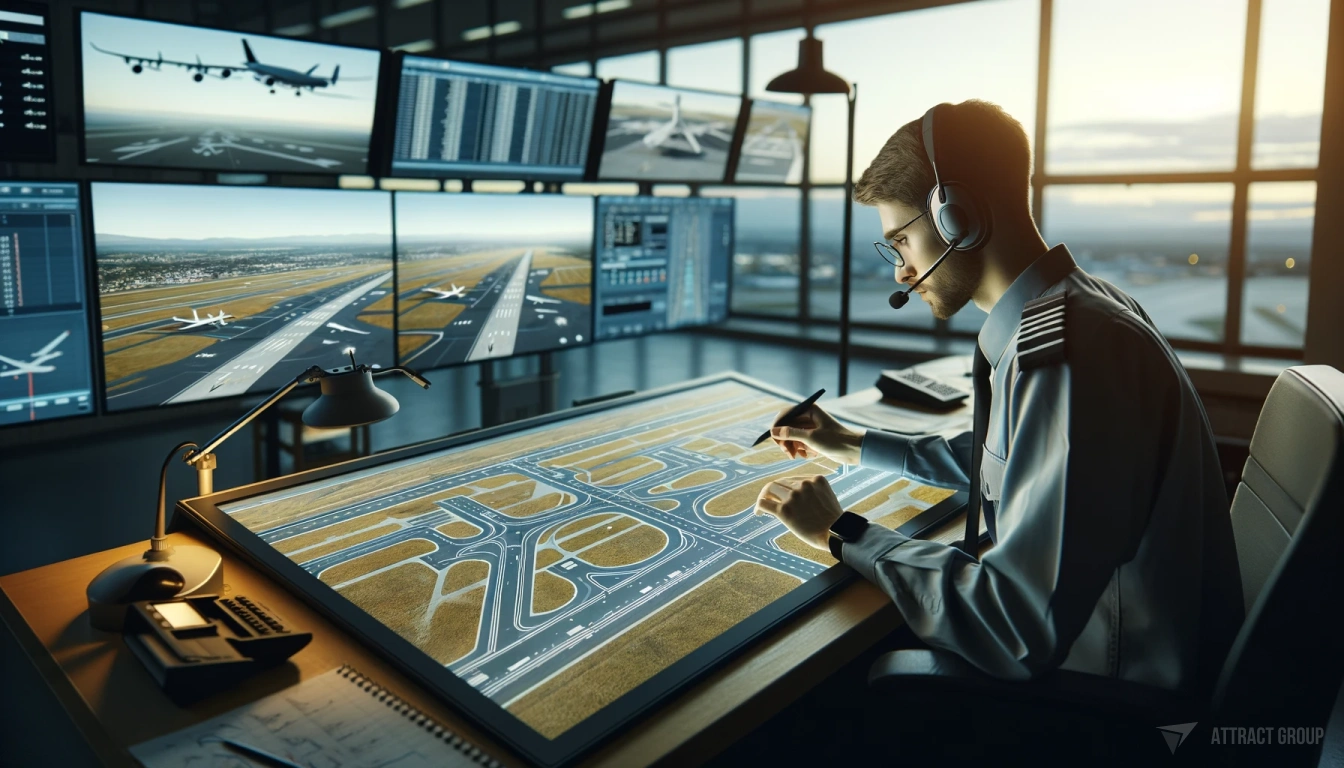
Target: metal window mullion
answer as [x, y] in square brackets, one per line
[1236, 247]
[1042, 103]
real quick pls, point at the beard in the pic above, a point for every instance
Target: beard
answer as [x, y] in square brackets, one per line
[951, 287]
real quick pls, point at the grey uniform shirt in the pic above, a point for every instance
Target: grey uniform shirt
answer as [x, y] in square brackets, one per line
[1113, 550]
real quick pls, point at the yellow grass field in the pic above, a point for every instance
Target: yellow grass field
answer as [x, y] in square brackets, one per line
[408, 343]
[353, 569]
[582, 295]
[379, 319]
[397, 598]
[433, 315]
[550, 592]
[454, 628]
[605, 531]
[743, 497]
[163, 351]
[633, 546]
[690, 480]
[790, 543]
[877, 499]
[580, 275]
[584, 522]
[463, 574]
[458, 529]
[930, 494]
[547, 558]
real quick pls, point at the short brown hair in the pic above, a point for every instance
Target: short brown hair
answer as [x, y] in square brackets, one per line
[979, 145]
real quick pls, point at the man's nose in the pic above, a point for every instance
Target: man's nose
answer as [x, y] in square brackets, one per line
[906, 274]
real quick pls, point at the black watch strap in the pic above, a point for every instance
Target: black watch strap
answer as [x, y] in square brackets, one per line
[848, 527]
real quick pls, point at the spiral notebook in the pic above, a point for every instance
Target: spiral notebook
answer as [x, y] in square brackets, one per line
[341, 719]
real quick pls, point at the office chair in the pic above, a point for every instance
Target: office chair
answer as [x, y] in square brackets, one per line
[1285, 666]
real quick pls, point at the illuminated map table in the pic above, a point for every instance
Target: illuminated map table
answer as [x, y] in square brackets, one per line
[557, 577]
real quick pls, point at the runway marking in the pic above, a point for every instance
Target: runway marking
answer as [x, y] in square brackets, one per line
[146, 150]
[500, 331]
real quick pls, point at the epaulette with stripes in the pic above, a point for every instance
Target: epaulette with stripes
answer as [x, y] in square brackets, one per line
[1040, 337]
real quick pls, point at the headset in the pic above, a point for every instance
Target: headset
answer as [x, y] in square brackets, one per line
[961, 221]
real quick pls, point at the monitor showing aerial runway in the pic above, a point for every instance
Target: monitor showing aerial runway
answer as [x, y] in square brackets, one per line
[662, 263]
[176, 96]
[461, 120]
[557, 578]
[657, 133]
[211, 292]
[489, 276]
[45, 361]
[772, 147]
[27, 116]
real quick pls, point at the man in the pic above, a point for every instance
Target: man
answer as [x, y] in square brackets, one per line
[1098, 476]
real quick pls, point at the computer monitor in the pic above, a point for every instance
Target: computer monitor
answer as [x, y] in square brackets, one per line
[662, 263]
[177, 96]
[209, 291]
[27, 109]
[772, 146]
[483, 276]
[45, 363]
[657, 133]
[461, 120]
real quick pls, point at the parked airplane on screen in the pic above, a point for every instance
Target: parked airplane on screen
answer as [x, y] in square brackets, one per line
[267, 74]
[196, 321]
[37, 364]
[542, 300]
[674, 127]
[339, 327]
[455, 293]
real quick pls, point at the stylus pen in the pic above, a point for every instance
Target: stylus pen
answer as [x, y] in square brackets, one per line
[794, 412]
[265, 758]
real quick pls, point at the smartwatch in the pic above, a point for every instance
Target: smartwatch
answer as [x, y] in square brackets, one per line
[849, 527]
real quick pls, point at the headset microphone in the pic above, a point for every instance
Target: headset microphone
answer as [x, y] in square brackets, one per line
[899, 298]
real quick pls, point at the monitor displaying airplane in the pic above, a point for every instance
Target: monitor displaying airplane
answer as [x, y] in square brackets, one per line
[657, 133]
[37, 363]
[220, 116]
[455, 293]
[772, 146]
[196, 321]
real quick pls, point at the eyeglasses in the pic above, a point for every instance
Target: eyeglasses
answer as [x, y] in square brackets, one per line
[888, 252]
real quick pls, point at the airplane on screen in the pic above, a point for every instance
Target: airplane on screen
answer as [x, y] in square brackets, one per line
[267, 74]
[541, 300]
[455, 293]
[196, 321]
[657, 138]
[339, 327]
[39, 358]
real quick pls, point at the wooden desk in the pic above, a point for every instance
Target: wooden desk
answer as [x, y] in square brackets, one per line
[114, 703]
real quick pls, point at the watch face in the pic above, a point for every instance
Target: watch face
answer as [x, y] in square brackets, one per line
[849, 526]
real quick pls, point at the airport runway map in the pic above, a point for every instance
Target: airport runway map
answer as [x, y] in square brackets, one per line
[558, 568]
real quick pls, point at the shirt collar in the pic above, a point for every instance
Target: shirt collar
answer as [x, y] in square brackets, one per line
[1051, 267]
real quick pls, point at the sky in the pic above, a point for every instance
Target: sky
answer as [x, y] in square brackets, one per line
[110, 84]
[529, 217]
[182, 211]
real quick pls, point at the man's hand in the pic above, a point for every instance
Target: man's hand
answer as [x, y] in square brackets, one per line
[817, 433]
[807, 505]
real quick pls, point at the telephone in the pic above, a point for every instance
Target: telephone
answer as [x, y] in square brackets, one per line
[910, 386]
[196, 645]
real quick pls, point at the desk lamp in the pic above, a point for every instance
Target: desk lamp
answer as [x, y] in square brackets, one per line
[349, 399]
[811, 78]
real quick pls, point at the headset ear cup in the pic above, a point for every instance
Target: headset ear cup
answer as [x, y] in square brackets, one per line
[960, 215]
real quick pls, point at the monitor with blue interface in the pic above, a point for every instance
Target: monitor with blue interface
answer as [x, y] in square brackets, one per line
[27, 119]
[657, 133]
[210, 292]
[662, 263]
[490, 276]
[176, 96]
[462, 120]
[772, 147]
[45, 363]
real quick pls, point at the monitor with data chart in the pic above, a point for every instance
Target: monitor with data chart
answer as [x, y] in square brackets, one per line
[483, 276]
[27, 101]
[772, 150]
[462, 120]
[177, 96]
[657, 133]
[45, 361]
[662, 263]
[216, 291]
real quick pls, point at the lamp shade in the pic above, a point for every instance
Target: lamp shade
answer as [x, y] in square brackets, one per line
[810, 76]
[349, 400]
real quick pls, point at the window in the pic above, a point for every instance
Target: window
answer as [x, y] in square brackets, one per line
[578, 68]
[641, 66]
[772, 55]
[905, 63]
[1278, 263]
[1290, 83]
[715, 66]
[1166, 245]
[1144, 85]
[765, 256]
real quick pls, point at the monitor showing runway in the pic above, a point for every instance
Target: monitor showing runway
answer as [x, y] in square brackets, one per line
[197, 303]
[772, 147]
[490, 276]
[177, 96]
[45, 363]
[561, 567]
[657, 133]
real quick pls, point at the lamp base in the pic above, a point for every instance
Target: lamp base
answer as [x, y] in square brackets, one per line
[130, 579]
